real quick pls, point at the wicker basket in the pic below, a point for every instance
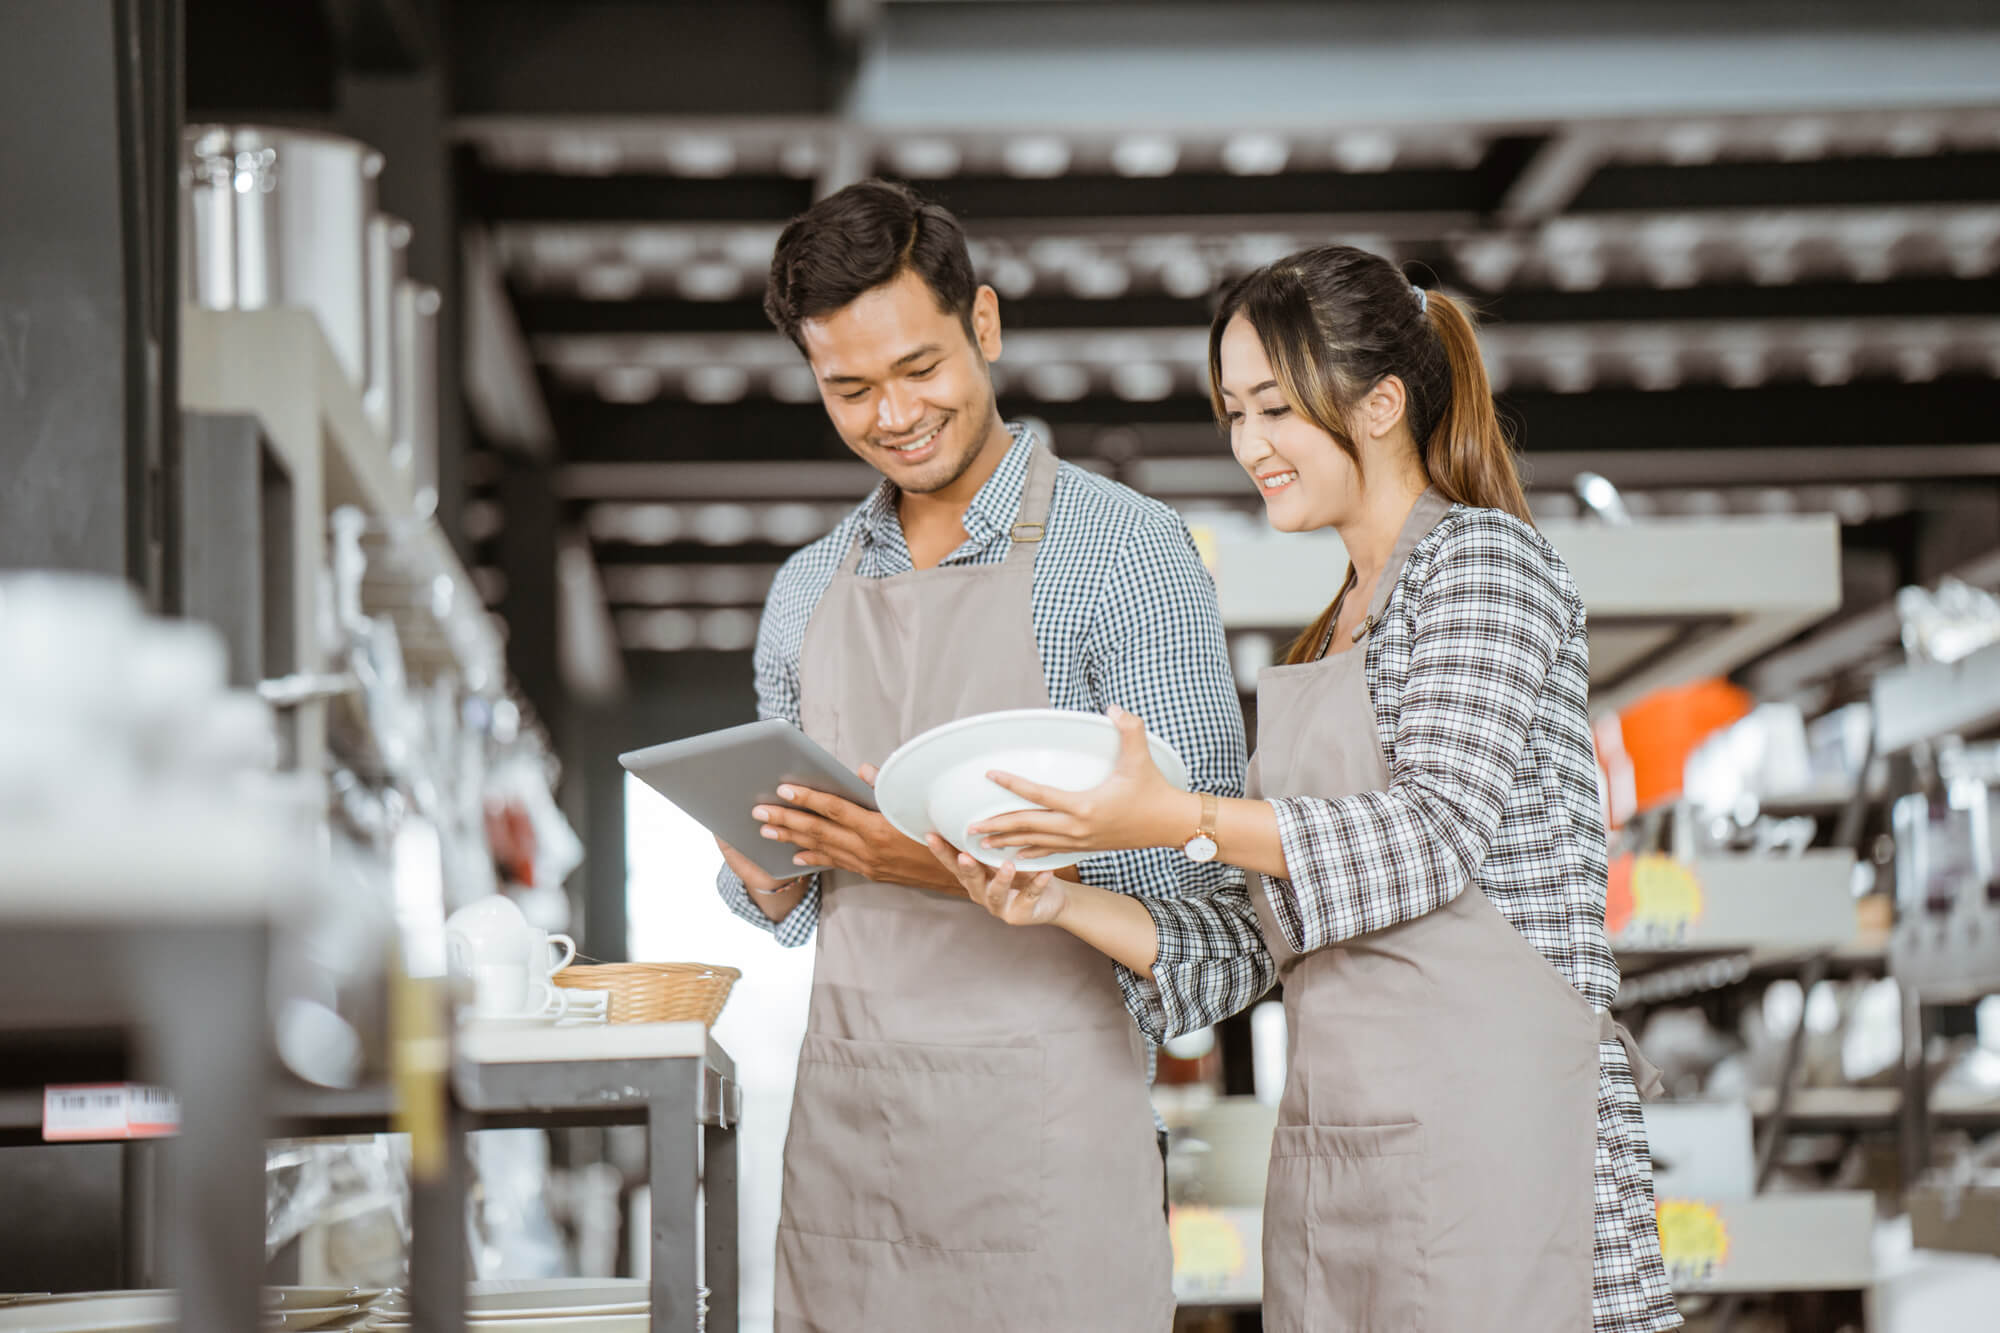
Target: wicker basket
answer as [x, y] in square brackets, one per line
[656, 992]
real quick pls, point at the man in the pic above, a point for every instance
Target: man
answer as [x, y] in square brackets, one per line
[971, 1144]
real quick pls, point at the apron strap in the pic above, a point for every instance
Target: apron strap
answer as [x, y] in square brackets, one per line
[1031, 519]
[1645, 1073]
[853, 560]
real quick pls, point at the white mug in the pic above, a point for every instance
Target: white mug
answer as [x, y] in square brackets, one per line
[486, 933]
[539, 944]
[507, 990]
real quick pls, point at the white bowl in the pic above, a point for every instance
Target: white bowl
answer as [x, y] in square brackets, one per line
[937, 783]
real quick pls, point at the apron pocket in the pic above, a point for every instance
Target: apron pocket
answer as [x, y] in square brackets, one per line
[931, 1146]
[1345, 1217]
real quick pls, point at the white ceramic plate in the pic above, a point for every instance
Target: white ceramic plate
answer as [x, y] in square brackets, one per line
[491, 1296]
[95, 1312]
[936, 782]
[554, 1321]
[320, 1298]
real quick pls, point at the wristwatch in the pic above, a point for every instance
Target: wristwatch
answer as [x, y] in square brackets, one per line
[1201, 847]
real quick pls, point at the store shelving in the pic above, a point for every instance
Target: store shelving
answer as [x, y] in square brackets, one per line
[1732, 903]
[277, 366]
[1670, 600]
[1820, 1241]
[1927, 700]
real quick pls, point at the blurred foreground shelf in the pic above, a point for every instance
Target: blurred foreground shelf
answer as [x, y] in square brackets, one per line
[1925, 701]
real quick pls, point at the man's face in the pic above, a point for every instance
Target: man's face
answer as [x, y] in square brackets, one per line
[906, 388]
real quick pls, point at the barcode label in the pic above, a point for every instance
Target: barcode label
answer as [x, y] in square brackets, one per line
[84, 1111]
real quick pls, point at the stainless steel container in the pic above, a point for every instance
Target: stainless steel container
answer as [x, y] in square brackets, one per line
[388, 262]
[277, 217]
[413, 447]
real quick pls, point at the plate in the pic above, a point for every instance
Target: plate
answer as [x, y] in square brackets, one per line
[490, 1297]
[936, 783]
[320, 1298]
[95, 1312]
[554, 1321]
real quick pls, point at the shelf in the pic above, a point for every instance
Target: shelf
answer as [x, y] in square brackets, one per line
[1820, 1241]
[275, 365]
[1727, 903]
[152, 863]
[1917, 703]
[1875, 1108]
[1667, 977]
[1670, 600]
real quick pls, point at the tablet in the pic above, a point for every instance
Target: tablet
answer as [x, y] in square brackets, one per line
[718, 776]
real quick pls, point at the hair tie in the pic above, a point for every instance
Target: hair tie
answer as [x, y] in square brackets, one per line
[1423, 299]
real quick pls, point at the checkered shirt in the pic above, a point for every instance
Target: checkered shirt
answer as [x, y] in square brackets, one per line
[1480, 674]
[1124, 613]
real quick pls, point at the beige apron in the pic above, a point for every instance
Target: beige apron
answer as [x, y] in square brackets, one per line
[1432, 1167]
[971, 1144]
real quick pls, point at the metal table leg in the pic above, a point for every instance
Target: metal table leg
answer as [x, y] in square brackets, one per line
[219, 1069]
[719, 1224]
[673, 1142]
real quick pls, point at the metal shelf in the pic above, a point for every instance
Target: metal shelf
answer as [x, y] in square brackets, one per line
[1671, 600]
[1873, 1108]
[1820, 1241]
[1917, 703]
[1745, 903]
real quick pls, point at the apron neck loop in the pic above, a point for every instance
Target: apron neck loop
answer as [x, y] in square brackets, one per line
[1032, 518]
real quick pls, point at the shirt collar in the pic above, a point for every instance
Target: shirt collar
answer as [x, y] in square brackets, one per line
[992, 511]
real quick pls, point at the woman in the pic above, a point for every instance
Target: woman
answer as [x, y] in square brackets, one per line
[1427, 861]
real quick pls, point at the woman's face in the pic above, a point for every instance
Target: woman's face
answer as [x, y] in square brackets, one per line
[1307, 480]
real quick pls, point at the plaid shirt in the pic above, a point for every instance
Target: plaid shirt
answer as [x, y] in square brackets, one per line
[1480, 674]
[1124, 613]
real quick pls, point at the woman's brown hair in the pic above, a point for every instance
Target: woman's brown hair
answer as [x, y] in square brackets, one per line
[1335, 321]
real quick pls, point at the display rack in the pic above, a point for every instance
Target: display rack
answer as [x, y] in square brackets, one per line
[1821, 1241]
[1670, 600]
[1928, 700]
[1743, 903]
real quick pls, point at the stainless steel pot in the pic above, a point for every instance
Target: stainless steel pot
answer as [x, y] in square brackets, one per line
[413, 447]
[278, 217]
[388, 261]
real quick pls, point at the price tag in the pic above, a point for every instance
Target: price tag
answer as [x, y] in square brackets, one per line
[1693, 1242]
[85, 1112]
[1651, 902]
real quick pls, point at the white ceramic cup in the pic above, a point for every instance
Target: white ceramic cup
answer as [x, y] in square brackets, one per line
[507, 990]
[487, 933]
[539, 957]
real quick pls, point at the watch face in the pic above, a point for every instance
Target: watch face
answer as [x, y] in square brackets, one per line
[1200, 847]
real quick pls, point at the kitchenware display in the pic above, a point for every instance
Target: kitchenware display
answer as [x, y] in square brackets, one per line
[937, 783]
[656, 992]
[279, 217]
[544, 1305]
[485, 933]
[413, 407]
[388, 262]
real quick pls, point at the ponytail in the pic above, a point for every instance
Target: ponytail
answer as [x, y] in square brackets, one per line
[1467, 455]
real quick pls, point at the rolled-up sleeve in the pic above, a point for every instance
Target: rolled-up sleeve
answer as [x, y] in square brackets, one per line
[777, 674]
[1492, 612]
[1212, 963]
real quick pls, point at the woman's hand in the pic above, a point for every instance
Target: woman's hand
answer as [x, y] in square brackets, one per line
[1135, 807]
[1017, 899]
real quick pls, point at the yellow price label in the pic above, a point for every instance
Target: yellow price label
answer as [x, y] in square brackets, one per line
[1693, 1241]
[1652, 901]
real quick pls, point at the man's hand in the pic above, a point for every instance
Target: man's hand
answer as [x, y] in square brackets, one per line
[775, 898]
[831, 831]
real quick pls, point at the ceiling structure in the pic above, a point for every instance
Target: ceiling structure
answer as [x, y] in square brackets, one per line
[1735, 257]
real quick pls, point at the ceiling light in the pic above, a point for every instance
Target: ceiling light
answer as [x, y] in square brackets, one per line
[1364, 150]
[1058, 382]
[1145, 155]
[628, 384]
[728, 631]
[610, 282]
[1801, 139]
[717, 384]
[724, 524]
[1099, 279]
[801, 158]
[669, 631]
[707, 155]
[1012, 278]
[1186, 276]
[926, 158]
[794, 384]
[710, 281]
[1036, 156]
[1691, 144]
[1142, 381]
[1914, 137]
[1255, 154]
[792, 524]
[584, 155]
